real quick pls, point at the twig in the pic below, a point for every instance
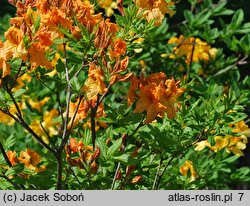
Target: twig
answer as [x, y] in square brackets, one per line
[65, 135]
[19, 119]
[11, 182]
[157, 176]
[93, 114]
[160, 174]
[6, 158]
[240, 62]
[116, 173]
[191, 59]
[18, 72]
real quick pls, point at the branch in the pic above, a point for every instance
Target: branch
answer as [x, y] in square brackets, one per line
[11, 182]
[160, 174]
[19, 119]
[6, 158]
[93, 113]
[240, 62]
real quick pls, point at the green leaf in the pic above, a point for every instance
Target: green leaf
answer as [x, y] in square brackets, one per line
[189, 16]
[37, 23]
[114, 147]
[19, 93]
[103, 147]
[238, 17]
[231, 159]
[10, 141]
[60, 41]
[126, 159]
[15, 170]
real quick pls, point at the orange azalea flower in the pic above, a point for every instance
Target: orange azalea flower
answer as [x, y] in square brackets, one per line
[12, 157]
[157, 95]
[136, 179]
[81, 113]
[188, 167]
[154, 9]
[13, 46]
[84, 13]
[86, 155]
[31, 159]
[57, 17]
[94, 84]
[117, 49]
[38, 57]
[105, 34]
[120, 66]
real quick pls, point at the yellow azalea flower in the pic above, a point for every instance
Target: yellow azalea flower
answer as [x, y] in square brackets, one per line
[20, 82]
[220, 143]
[191, 47]
[49, 124]
[234, 144]
[6, 119]
[94, 84]
[108, 5]
[138, 41]
[38, 104]
[188, 167]
[202, 145]
[242, 127]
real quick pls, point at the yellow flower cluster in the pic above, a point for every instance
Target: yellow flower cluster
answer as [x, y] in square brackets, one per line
[234, 144]
[108, 5]
[188, 167]
[193, 49]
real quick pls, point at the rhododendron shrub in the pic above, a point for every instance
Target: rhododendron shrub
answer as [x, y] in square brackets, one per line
[114, 95]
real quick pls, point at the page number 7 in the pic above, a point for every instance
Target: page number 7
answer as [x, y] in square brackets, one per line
[241, 195]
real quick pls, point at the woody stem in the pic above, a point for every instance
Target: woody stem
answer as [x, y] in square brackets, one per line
[5, 155]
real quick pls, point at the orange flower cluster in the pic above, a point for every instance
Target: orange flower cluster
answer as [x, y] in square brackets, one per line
[157, 95]
[38, 24]
[86, 157]
[193, 49]
[234, 144]
[155, 9]
[29, 158]
[82, 113]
